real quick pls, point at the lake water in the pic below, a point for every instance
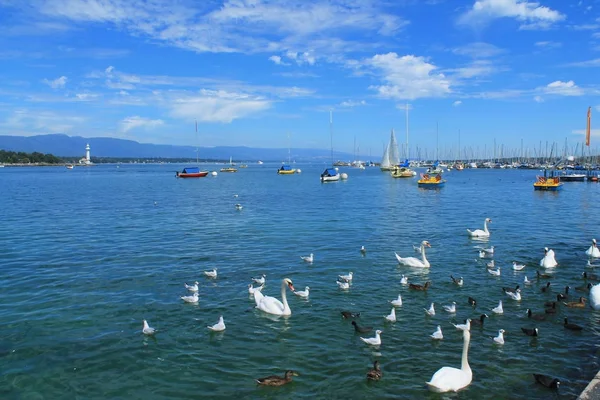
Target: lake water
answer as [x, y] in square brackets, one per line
[87, 254]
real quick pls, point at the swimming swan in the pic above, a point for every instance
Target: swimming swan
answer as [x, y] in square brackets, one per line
[548, 261]
[479, 232]
[271, 305]
[593, 251]
[595, 297]
[415, 262]
[448, 379]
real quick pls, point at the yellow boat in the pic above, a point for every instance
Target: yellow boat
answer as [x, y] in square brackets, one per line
[402, 172]
[286, 170]
[551, 184]
[431, 181]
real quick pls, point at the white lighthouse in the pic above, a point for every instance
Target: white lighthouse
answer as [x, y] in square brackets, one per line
[87, 154]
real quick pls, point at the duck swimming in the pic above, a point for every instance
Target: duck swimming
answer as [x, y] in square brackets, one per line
[274, 380]
[375, 373]
[576, 304]
[419, 287]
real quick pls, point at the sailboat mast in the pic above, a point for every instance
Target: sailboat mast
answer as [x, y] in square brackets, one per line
[437, 141]
[197, 149]
[331, 133]
[407, 148]
[289, 150]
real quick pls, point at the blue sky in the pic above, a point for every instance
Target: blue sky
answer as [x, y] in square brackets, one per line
[253, 72]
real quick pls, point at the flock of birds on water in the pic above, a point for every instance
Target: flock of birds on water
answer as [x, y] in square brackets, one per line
[446, 379]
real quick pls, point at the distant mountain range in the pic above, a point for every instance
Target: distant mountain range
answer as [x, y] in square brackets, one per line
[74, 146]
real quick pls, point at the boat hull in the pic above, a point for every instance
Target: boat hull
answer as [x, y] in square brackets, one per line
[432, 185]
[403, 173]
[201, 174]
[551, 184]
[280, 172]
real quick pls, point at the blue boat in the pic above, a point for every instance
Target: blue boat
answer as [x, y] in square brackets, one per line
[330, 175]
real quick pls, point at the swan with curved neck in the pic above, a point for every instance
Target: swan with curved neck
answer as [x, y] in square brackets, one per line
[593, 250]
[595, 297]
[413, 261]
[479, 232]
[449, 379]
[271, 305]
[548, 261]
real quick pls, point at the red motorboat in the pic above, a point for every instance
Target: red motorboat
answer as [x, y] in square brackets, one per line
[191, 172]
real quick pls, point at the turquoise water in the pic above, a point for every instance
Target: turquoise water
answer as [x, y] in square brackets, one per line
[88, 253]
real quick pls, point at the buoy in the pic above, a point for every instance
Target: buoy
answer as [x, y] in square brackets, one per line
[298, 171]
[344, 175]
[214, 173]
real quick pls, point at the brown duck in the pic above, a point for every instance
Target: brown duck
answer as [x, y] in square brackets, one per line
[275, 380]
[576, 304]
[375, 373]
[420, 287]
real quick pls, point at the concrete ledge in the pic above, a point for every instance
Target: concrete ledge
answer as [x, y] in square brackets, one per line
[592, 390]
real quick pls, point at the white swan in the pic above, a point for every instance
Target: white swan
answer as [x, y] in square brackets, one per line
[415, 262]
[430, 311]
[147, 330]
[302, 293]
[374, 341]
[271, 305]
[252, 289]
[397, 302]
[211, 274]
[437, 335]
[517, 267]
[548, 261]
[595, 297]
[392, 315]
[479, 232]
[593, 251]
[500, 338]
[309, 258]
[498, 309]
[191, 288]
[451, 308]
[404, 280]
[449, 379]
[219, 326]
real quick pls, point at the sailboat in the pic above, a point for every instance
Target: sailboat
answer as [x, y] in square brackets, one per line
[330, 174]
[391, 157]
[403, 170]
[192, 172]
[286, 169]
[230, 168]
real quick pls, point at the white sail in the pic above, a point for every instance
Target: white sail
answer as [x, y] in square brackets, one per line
[385, 160]
[393, 150]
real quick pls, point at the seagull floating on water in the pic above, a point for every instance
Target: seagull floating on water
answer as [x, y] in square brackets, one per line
[238, 206]
[261, 280]
[219, 326]
[437, 335]
[397, 302]
[374, 341]
[343, 285]
[500, 338]
[404, 280]
[451, 308]
[346, 278]
[431, 310]
[190, 299]
[302, 293]
[516, 295]
[391, 317]
[211, 274]
[147, 330]
[527, 281]
[494, 272]
[191, 288]
[363, 250]
[458, 281]
[309, 258]
[498, 309]
[517, 267]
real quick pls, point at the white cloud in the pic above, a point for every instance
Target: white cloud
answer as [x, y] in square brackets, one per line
[301, 58]
[548, 44]
[588, 63]
[85, 96]
[478, 50]
[277, 60]
[563, 89]
[593, 132]
[407, 77]
[40, 122]
[531, 14]
[477, 69]
[352, 103]
[538, 99]
[217, 106]
[457, 103]
[56, 83]
[135, 122]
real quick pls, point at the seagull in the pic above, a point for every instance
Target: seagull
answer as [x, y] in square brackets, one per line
[219, 326]
[211, 274]
[147, 330]
[494, 272]
[238, 206]
[397, 302]
[491, 264]
[516, 295]
[192, 288]
[437, 335]
[498, 309]
[527, 281]
[500, 338]
[431, 311]
[346, 278]
[309, 258]
[404, 280]
[190, 299]
[464, 327]
[343, 285]
[261, 280]
[451, 308]
[235, 195]
[363, 250]
[517, 267]
[374, 341]
[252, 289]
[302, 293]
[488, 251]
[392, 315]
[458, 281]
